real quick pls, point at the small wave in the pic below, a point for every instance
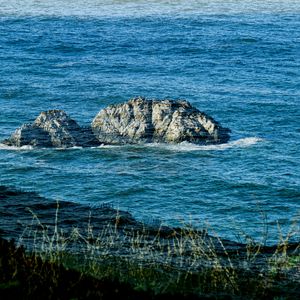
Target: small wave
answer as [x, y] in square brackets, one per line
[66, 64]
[28, 147]
[14, 148]
[186, 146]
[246, 142]
[68, 148]
[108, 146]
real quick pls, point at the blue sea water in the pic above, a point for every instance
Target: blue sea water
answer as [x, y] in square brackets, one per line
[239, 61]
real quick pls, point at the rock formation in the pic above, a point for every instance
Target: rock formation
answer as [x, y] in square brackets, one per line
[168, 121]
[136, 121]
[53, 128]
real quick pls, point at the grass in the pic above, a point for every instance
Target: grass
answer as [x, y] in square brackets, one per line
[144, 263]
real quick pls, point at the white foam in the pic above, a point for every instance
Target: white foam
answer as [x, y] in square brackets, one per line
[185, 146]
[66, 64]
[109, 146]
[14, 148]
[28, 147]
[68, 148]
[182, 147]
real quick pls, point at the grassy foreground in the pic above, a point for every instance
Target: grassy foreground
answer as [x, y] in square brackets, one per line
[32, 276]
[126, 259]
[29, 277]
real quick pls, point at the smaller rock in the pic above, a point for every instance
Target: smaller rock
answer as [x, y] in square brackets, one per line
[53, 128]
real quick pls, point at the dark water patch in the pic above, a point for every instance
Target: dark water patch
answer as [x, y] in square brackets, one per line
[131, 191]
[19, 209]
[25, 213]
[289, 194]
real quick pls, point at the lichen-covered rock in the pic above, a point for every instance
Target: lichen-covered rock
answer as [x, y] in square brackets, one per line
[142, 121]
[53, 128]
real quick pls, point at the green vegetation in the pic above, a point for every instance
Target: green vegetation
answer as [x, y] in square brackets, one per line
[144, 263]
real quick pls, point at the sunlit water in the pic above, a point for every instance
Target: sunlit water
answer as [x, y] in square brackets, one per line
[238, 61]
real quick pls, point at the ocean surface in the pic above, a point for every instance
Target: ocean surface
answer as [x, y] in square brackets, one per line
[238, 61]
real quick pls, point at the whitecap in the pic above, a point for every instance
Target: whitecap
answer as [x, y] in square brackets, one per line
[14, 148]
[182, 147]
[66, 64]
[186, 146]
[67, 148]
[103, 146]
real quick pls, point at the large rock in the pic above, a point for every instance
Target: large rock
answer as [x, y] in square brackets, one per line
[142, 121]
[53, 128]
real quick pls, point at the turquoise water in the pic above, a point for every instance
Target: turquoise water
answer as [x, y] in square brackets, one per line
[238, 61]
